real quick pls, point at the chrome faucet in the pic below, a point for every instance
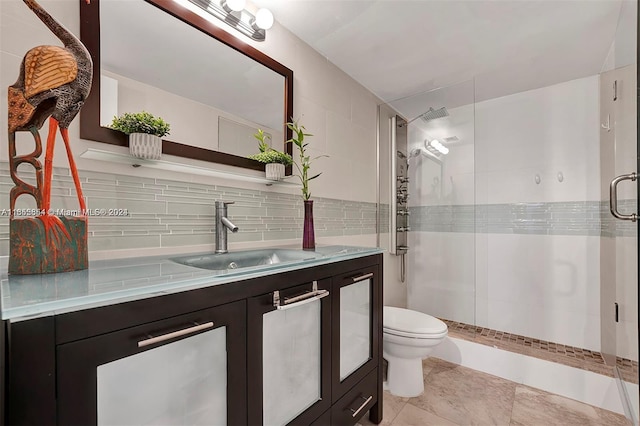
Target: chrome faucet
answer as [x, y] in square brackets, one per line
[222, 224]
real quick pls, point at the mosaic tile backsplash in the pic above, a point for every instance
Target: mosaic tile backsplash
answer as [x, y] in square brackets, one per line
[558, 218]
[166, 213]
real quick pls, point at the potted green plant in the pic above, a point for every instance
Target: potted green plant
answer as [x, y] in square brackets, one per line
[145, 132]
[298, 139]
[275, 161]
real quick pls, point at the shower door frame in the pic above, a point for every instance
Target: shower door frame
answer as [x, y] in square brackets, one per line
[637, 163]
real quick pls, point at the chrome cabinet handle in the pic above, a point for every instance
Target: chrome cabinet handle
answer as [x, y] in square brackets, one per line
[362, 277]
[613, 197]
[157, 339]
[364, 404]
[292, 302]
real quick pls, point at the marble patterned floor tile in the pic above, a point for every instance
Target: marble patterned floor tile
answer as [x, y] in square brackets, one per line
[465, 396]
[532, 407]
[427, 366]
[410, 415]
[391, 406]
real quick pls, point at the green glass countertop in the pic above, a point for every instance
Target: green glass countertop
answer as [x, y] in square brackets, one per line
[108, 282]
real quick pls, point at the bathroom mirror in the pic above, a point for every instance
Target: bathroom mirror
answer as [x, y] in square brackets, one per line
[199, 81]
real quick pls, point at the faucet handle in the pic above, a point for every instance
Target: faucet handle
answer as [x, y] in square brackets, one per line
[221, 204]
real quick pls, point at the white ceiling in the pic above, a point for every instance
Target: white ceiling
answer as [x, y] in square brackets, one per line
[398, 48]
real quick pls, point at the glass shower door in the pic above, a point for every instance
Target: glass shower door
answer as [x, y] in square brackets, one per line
[441, 258]
[619, 235]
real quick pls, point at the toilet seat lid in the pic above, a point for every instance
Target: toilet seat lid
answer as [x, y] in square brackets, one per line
[407, 322]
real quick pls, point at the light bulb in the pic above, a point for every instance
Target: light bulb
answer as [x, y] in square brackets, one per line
[235, 5]
[264, 19]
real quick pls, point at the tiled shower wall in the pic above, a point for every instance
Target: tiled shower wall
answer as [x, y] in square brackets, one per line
[165, 213]
[557, 218]
[510, 239]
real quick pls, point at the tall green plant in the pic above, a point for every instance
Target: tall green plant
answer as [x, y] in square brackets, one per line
[262, 138]
[305, 160]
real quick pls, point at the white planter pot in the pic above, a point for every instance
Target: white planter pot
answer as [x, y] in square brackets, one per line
[274, 171]
[146, 146]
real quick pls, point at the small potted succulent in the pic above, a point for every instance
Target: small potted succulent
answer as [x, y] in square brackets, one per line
[145, 132]
[275, 161]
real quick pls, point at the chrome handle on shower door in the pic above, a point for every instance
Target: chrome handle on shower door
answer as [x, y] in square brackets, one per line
[613, 197]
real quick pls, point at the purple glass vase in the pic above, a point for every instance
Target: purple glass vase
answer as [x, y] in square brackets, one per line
[308, 236]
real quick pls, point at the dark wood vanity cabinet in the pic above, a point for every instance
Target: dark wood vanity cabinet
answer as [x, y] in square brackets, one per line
[302, 347]
[158, 373]
[289, 377]
[356, 344]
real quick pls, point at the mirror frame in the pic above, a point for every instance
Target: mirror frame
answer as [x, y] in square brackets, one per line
[90, 128]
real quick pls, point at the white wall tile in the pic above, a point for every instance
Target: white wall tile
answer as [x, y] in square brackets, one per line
[550, 270]
[313, 115]
[627, 295]
[441, 276]
[541, 131]
[394, 291]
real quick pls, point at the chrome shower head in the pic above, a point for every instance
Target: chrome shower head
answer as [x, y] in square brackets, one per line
[429, 115]
[432, 114]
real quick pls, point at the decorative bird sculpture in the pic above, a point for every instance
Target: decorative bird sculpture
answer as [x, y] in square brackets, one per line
[54, 82]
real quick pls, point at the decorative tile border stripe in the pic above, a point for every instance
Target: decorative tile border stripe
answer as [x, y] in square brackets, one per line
[612, 227]
[559, 218]
[166, 213]
[383, 225]
[568, 355]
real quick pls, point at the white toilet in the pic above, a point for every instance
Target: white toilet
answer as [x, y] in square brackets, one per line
[408, 337]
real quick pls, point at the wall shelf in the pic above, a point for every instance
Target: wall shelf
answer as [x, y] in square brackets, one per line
[116, 157]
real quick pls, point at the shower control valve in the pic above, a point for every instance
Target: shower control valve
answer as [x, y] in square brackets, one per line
[403, 179]
[403, 229]
[403, 212]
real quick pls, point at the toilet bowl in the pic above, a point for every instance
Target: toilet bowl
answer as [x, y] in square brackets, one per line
[408, 338]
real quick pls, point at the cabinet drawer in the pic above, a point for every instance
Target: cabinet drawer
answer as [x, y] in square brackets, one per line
[355, 403]
[323, 420]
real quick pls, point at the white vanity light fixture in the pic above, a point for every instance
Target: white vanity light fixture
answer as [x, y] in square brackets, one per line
[233, 5]
[233, 13]
[263, 19]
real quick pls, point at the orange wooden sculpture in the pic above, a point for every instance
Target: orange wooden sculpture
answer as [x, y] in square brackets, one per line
[54, 81]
